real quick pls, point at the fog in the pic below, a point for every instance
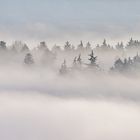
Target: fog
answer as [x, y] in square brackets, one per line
[37, 103]
[45, 94]
[32, 117]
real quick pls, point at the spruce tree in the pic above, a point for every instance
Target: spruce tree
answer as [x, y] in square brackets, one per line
[67, 46]
[28, 59]
[92, 59]
[63, 69]
[79, 60]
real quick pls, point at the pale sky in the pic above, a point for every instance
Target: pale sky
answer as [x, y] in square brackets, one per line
[56, 21]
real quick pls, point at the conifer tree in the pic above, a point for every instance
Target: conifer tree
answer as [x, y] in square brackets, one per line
[28, 59]
[120, 46]
[2, 45]
[75, 61]
[105, 46]
[67, 46]
[104, 43]
[92, 59]
[42, 46]
[80, 46]
[79, 60]
[63, 69]
[118, 65]
[88, 46]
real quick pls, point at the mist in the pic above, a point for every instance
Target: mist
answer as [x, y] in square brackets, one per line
[69, 70]
[35, 116]
[38, 103]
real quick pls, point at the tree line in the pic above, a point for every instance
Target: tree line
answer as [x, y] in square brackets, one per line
[49, 55]
[20, 46]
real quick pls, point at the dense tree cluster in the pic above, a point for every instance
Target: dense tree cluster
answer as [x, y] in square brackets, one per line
[79, 65]
[127, 65]
[133, 44]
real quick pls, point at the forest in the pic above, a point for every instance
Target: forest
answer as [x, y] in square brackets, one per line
[67, 59]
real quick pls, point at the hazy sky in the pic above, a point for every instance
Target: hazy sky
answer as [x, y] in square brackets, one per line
[59, 20]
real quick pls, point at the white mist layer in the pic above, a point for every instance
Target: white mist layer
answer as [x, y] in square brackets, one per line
[32, 116]
[39, 104]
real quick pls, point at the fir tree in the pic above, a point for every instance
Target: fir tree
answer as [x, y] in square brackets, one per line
[2, 45]
[130, 61]
[136, 58]
[28, 59]
[120, 46]
[92, 59]
[67, 46]
[75, 61]
[63, 69]
[42, 46]
[104, 43]
[133, 44]
[79, 60]
[80, 46]
[105, 46]
[118, 65]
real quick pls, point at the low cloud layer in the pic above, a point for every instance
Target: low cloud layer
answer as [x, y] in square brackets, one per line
[39, 104]
[32, 116]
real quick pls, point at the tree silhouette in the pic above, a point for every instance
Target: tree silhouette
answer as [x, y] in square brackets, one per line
[28, 59]
[67, 46]
[80, 46]
[42, 46]
[2, 45]
[92, 59]
[79, 60]
[88, 46]
[63, 69]
[120, 46]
